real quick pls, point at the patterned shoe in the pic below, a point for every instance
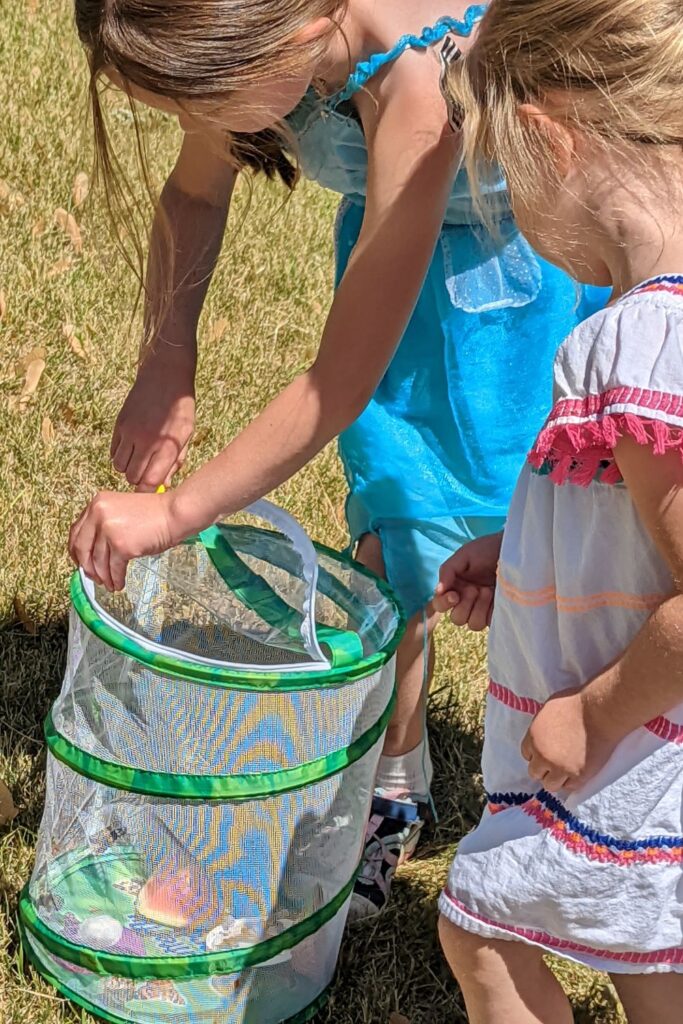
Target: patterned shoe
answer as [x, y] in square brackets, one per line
[392, 835]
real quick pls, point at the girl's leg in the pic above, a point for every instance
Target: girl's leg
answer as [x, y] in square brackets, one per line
[406, 729]
[504, 982]
[650, 998]
[405, 772]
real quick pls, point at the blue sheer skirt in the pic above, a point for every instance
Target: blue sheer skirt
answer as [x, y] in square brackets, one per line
[434, 458]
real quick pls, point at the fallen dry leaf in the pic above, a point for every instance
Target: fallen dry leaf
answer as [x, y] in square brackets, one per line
[32, 8]
[81, 188]
[66, 222]
[78, 347]
[3, 304]
[23, 616]
[11, 198]
[47, 431]
[7, 809]
[60, 267]
[25, 361]
[39, 228]
[34, 371]
[218, 329]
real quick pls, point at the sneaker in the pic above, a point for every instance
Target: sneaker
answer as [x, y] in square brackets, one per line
[393, 832]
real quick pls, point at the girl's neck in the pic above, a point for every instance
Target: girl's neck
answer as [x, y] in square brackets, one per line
[639, 230]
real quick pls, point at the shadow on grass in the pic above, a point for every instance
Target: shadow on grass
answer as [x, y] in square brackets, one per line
[598, 1006]
[31, 670]
[31, 667]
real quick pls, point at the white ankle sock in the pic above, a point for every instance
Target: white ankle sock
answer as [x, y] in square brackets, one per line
[410, 773]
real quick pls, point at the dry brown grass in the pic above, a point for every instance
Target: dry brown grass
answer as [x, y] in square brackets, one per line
[68, 358]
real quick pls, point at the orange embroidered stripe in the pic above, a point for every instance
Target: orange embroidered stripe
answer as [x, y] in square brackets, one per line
[579, 604]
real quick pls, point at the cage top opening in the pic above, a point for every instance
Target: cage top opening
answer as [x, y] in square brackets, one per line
[238, 607]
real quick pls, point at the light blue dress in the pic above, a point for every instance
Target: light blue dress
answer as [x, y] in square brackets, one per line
[432, 461]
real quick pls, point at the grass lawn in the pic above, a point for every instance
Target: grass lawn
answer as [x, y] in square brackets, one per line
[66, 313]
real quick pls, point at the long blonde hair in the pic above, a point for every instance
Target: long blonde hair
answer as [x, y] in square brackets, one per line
[188, 50]
[610, 69]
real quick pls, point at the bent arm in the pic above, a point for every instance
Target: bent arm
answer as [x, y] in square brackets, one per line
[647, 680]
[187, 234]
[155, 424]
[410, 175]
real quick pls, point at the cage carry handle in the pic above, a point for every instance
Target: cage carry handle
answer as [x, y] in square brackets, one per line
[253, 590]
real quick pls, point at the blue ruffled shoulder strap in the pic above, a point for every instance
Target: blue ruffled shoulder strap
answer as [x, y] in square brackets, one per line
[430, 35]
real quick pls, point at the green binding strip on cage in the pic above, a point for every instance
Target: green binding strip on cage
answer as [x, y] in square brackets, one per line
[213, 787]
[234, 678]
[200, 965]
[345, 646]
[248, 540]
[97, 1011]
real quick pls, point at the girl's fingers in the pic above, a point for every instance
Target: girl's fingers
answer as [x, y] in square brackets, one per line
[479, 616]
[84, 541]
[162, 463]
[73, 535]
[137, 466]
[117, 569]
[100, 561]
[538, 768]
[555, 781]
[122, 455]
[445, 601]
[460, 615]
[451, 569]
[115, 442]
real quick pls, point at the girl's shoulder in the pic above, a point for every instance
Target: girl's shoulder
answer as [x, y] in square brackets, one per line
[618, 373]
[635, 343]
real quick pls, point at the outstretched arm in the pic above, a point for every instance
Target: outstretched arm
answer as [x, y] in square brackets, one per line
[155, 424]
[412, 160]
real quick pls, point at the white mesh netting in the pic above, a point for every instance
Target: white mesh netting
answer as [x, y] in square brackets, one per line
[144, 879]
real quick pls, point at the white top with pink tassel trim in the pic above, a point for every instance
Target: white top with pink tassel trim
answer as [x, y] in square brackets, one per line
[596, 875]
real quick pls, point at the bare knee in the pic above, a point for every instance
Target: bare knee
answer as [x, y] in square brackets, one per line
[473, 957]
[462, 949]
[369, 554]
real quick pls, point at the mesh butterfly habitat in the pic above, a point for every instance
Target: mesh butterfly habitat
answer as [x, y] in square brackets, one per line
[211, 760]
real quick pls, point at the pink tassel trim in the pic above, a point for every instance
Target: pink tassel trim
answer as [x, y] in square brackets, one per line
[576, 451]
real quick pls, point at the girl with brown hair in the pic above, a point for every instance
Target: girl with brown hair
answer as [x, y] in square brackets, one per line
[431, 365]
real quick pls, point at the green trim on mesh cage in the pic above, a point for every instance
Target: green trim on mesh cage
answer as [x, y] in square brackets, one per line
[345, 646]
[307, 1014]
[243, 679]
[246, 539]
[200, 965]
[213, 787]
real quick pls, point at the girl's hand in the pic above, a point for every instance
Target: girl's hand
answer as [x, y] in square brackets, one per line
[114, 528]
[467, 581]
[566, 744]
[155, 425]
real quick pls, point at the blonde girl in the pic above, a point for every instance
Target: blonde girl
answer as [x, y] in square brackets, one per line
[580, 849]
[434, 358]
